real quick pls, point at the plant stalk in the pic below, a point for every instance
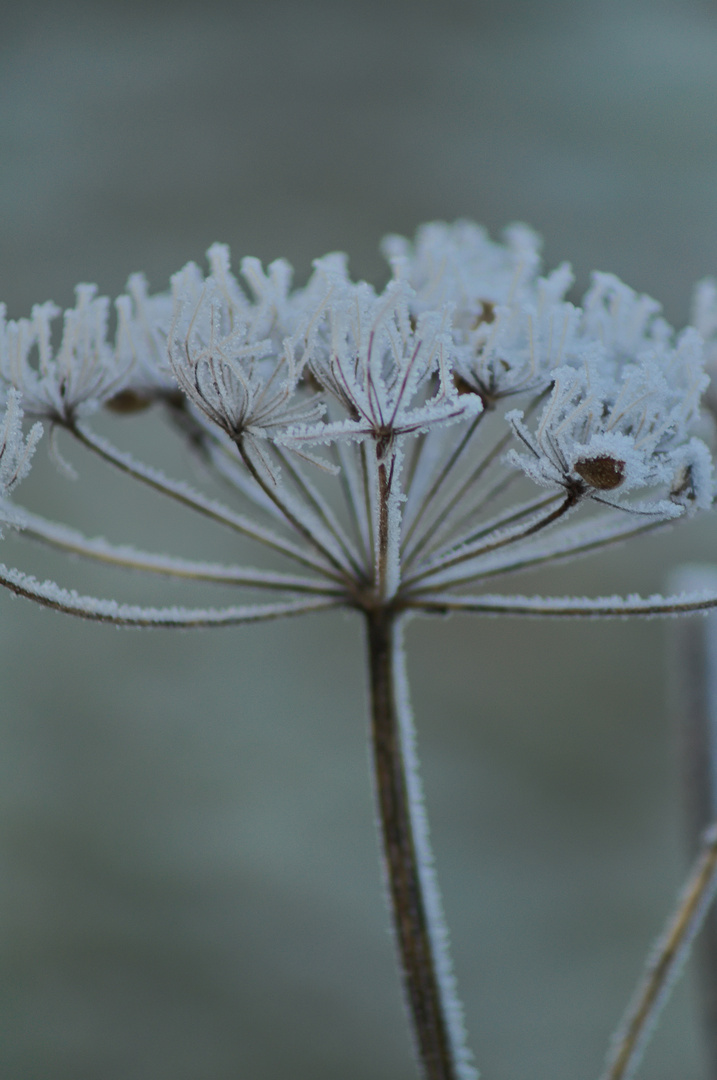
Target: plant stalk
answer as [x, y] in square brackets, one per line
[665, 963]
[695, 694]
[420, 933]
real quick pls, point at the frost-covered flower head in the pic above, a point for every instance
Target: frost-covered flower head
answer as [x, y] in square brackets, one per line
[403, 391]
[224, 353]
[604, 434]
[390, 373]
[619, 413]
[72, 380]
[510, 325]
[143, 323]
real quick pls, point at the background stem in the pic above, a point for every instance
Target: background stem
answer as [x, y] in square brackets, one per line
[695, 694]
[415, 902]
[665, 963]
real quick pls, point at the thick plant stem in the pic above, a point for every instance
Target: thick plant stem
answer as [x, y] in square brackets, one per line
[420, 932]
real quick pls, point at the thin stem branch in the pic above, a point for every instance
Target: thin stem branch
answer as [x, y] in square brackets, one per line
[321, 508]
[366, 483]
[184, 495]
[418, 923]
[383, 529]
[468, 545]
[511, 536]
[353, 499]
[441, 478]
[443, 518]
[96, 609]
[290, 516]
[665, 964]
[565, 607]
[74, 542]
[572, 542]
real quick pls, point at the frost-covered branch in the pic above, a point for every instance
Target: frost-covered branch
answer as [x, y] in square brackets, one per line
[50, 595]
[611, 607]
[100, 550]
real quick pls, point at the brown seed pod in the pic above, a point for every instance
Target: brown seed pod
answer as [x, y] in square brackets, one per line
[602, 471]
[486, 313]
[462, 385]
[128, 401]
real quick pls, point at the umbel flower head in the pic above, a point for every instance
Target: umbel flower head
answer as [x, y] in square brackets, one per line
[392, 449]
[431, 402]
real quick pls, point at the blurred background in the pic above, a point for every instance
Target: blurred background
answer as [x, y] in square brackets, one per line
[190, 888]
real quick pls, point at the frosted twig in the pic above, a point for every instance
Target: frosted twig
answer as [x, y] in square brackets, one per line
[50, 595]
[570, 607]
[421, 933]
[74, 542]
[498, 538]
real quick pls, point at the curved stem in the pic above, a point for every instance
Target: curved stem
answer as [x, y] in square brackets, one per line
[564, 607]
[97, 609]
[415, 901]
[571, 542]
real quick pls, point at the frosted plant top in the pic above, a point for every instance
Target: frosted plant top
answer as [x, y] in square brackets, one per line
[464, 324]
[458, 417]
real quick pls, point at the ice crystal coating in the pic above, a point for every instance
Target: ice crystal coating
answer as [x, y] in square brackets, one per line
[15, 450]
[143, 323]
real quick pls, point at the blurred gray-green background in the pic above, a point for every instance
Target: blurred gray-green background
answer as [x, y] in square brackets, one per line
[190, 888]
